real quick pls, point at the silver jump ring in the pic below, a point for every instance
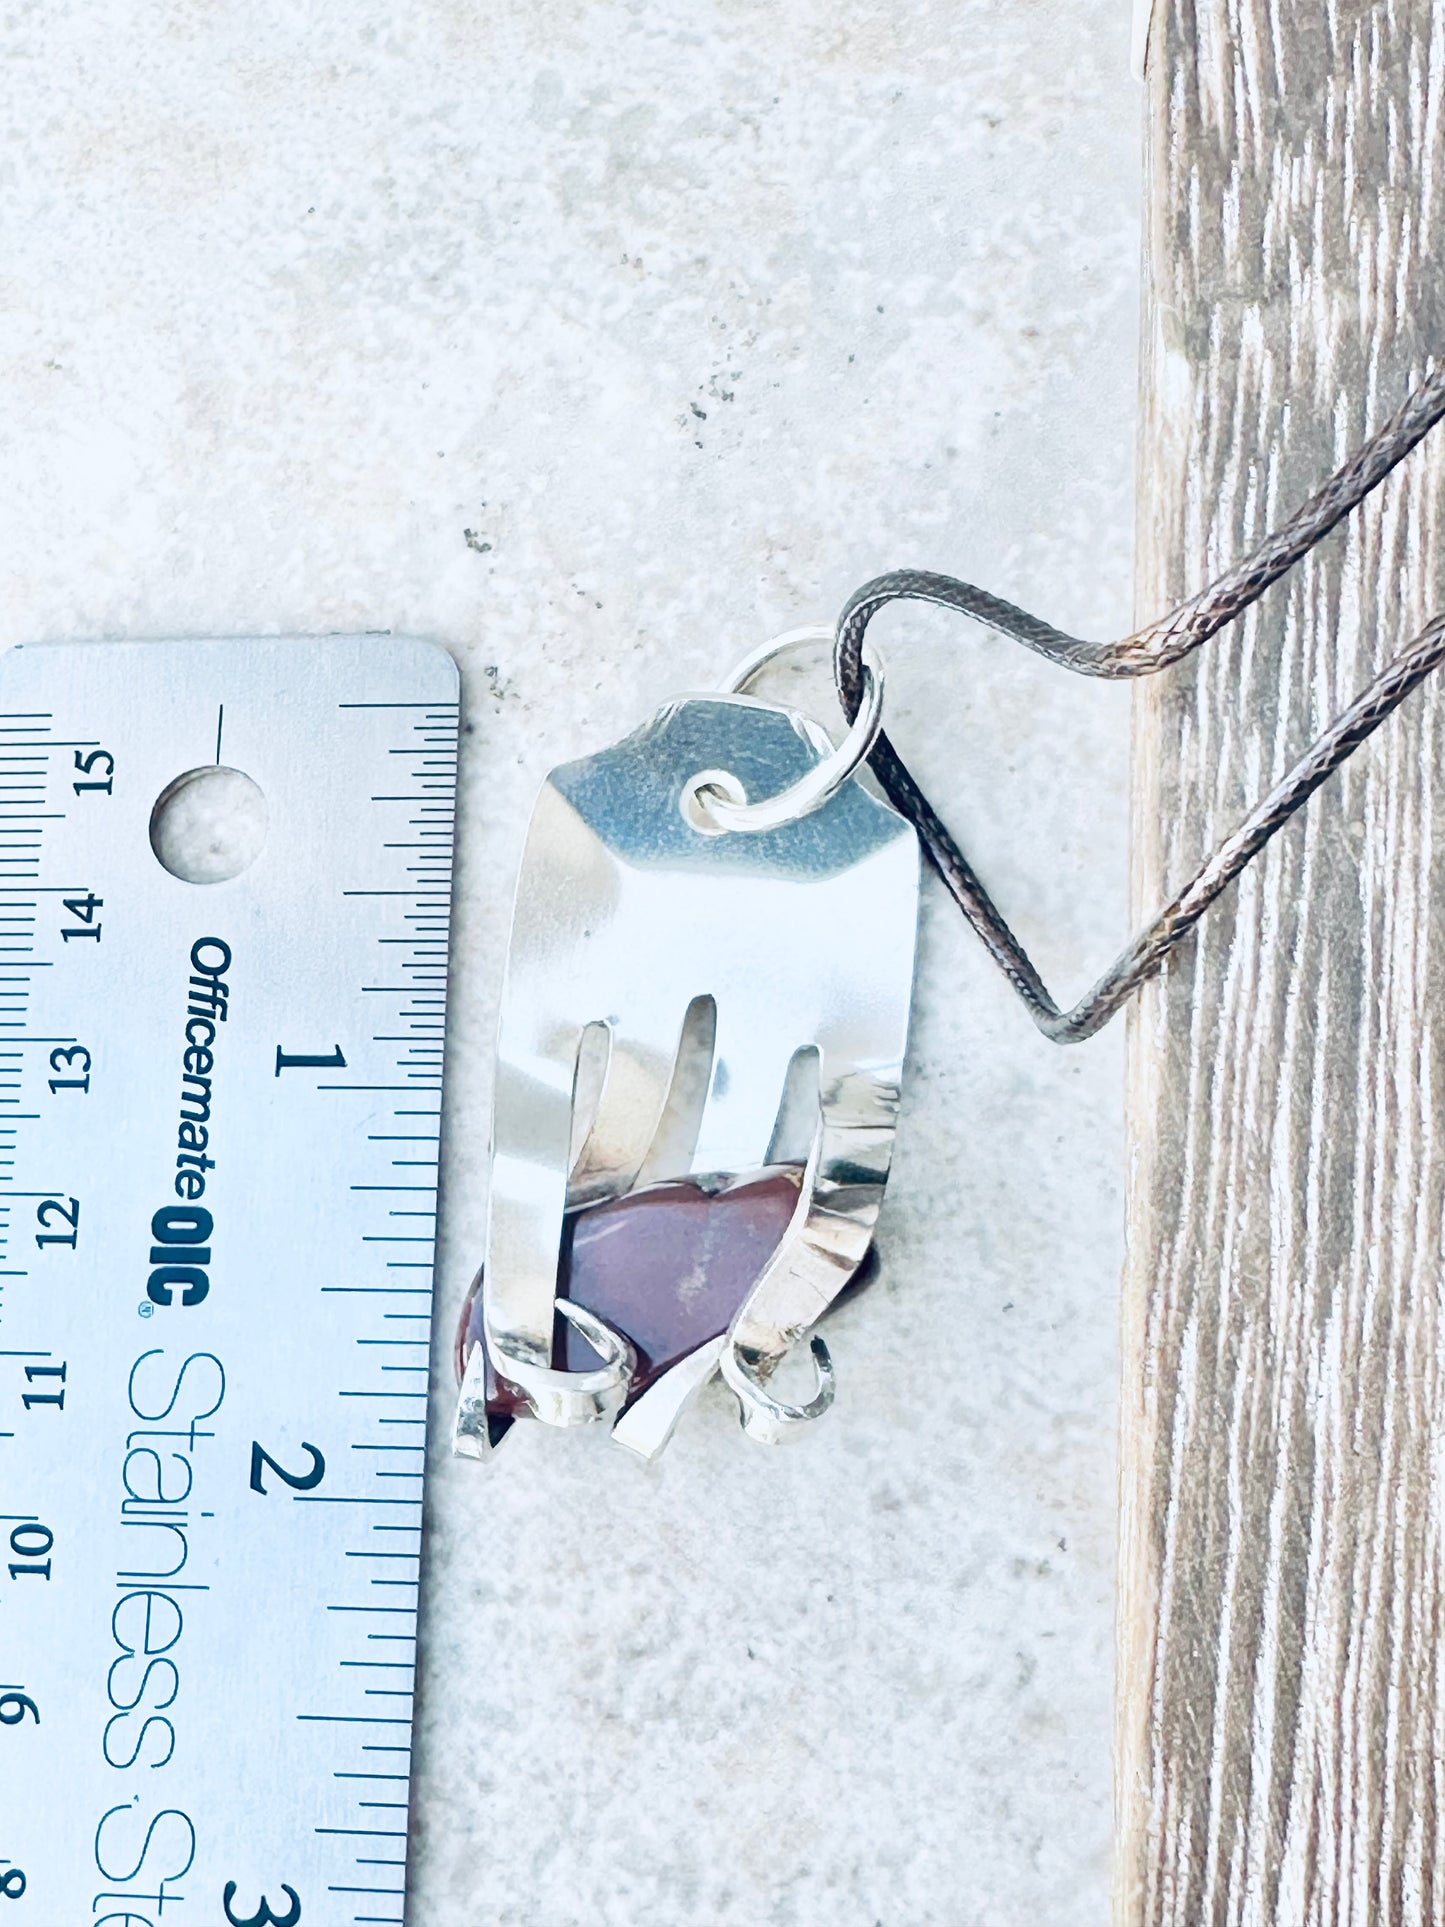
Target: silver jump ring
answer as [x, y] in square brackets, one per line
[756, 660]
[715, 801]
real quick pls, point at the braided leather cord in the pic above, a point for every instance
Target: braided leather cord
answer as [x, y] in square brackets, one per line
[1148, 650]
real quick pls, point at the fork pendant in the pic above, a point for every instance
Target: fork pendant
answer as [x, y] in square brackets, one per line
[701, 1047]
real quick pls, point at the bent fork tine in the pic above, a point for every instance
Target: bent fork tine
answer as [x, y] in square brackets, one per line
[826, 1242]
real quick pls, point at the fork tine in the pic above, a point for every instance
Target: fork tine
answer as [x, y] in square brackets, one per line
[531, 1138]
[641, 1067]
[829, 1236]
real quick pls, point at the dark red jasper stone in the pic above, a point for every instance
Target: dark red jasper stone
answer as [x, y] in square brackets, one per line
[668, 1267]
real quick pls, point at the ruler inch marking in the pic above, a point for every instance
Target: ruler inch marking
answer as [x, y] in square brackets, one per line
[318, 744]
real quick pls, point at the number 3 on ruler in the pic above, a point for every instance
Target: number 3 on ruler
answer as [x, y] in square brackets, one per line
[263, 1916]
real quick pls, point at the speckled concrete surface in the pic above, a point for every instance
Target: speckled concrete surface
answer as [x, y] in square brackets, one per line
[598, 341]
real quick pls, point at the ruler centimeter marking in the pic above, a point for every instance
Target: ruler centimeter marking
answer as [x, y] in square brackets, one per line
[215, 1325]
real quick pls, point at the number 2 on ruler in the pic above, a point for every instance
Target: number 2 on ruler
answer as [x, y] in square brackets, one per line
[298, 1481]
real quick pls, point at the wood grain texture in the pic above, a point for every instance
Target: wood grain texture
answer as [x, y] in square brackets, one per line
[1281, 1702]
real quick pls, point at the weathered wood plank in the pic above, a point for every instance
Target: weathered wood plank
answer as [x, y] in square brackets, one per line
[1281, 1702]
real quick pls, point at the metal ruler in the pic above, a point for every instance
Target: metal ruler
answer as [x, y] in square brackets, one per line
[219, 1117]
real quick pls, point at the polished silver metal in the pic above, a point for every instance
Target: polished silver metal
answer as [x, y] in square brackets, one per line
[765, 1417]
[559, 1398]
[715, 800]
[750, 666]
[627, 914]
[567, 1398]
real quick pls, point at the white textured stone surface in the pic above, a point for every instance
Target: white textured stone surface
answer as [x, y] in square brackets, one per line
[693, 315]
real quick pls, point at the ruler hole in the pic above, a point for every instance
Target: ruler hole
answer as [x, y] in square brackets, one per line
[209, 824]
